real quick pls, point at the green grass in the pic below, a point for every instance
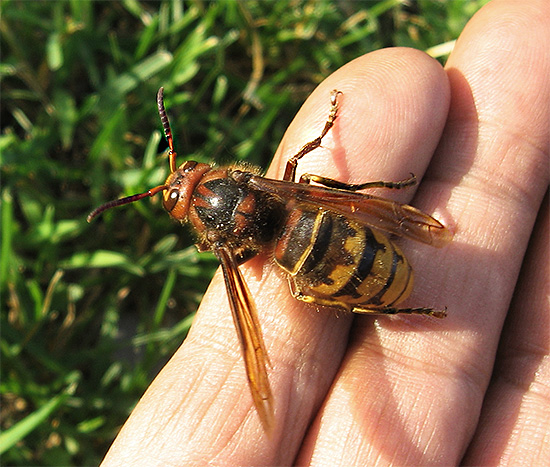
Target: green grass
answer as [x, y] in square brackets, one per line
[90, 313]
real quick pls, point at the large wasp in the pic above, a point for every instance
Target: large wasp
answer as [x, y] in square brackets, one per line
[330, 240]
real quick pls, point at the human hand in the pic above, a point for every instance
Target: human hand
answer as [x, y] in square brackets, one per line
[356, 390]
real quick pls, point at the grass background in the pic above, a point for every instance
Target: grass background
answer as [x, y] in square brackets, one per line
[90, 313]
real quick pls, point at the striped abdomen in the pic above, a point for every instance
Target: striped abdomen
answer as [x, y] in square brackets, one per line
[335, 261]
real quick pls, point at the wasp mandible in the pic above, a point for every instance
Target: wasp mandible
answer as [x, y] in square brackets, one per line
[332, 241]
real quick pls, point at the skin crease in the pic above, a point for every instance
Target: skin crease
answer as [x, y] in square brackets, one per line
[473, 388]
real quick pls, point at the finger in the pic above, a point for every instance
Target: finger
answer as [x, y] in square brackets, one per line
[513, 426]
[199, 408]
[410, 392]
[386, 125]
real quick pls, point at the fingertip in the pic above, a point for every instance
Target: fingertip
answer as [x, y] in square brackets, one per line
[393, 107]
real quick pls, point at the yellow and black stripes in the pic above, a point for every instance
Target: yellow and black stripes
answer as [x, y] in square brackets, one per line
[333, 260]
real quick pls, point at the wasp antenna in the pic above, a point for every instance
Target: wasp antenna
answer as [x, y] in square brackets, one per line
[122, 201]
[162, 113]
[167, 130]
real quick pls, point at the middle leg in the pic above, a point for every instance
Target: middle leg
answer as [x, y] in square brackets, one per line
[331, 183]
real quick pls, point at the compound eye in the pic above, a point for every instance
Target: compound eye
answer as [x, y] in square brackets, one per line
[171, 199]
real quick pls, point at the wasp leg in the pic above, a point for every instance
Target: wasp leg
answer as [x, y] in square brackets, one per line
[331, 183]
[380, 310]
[296, 292]
[292, 163]
[388, 310]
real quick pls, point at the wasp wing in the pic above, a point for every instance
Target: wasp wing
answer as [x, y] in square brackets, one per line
[379, 213]
[250, 337]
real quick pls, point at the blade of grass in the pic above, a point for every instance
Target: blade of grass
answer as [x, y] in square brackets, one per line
[139, 73]
[21, 429]
[164, 296]
[102, 259]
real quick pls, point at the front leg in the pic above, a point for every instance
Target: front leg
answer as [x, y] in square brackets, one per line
[292, 163]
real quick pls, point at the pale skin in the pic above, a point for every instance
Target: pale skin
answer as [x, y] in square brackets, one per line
[471, 389]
